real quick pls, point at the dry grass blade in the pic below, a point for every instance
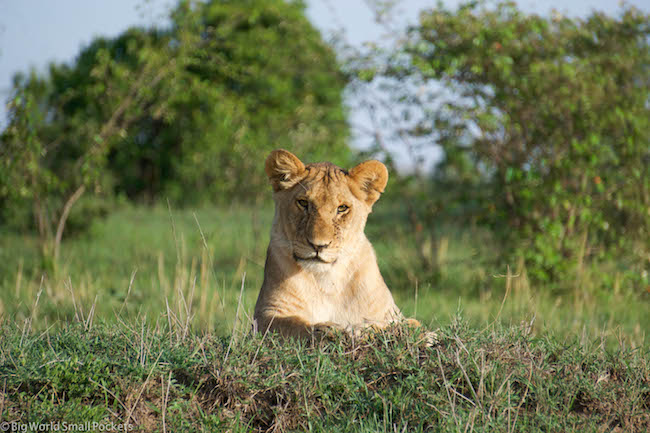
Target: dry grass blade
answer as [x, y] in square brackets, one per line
[234, 325]
[205, 245]
[88, 321]
[27, 329]
[505, 382]
[171, 218]
[165, 399]
[169, 320]
[447, 386]
[128, 291]
[137, 400]
[78, 312]
[477, 401]
[112, 394]
[188, 311]
[508, 278]
[2, 399]
[523, 398]
[268, 328]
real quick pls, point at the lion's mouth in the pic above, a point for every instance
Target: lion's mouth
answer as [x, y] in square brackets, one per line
[313, 259]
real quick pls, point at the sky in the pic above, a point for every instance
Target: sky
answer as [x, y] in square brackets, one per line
[34, 33]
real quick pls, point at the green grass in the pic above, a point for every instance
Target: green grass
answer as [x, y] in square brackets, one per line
[191, 265]
[137, 324]
[139, 261]
[500, 379]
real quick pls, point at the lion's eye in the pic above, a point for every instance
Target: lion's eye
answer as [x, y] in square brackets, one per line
[342, 208]
[303, 204]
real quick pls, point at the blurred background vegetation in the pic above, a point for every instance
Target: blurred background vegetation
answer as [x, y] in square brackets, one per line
[132, 182]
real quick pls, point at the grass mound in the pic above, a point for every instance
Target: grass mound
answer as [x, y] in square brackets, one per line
[148, 379]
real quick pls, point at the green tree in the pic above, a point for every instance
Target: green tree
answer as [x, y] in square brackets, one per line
[186, 112]
[63, 126]
[259, 77]
[552, 114]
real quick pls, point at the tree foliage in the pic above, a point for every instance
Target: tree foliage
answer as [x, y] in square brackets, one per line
[548, 122]
[185, 112]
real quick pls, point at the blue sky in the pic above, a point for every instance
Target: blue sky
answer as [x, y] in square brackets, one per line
[34, 33]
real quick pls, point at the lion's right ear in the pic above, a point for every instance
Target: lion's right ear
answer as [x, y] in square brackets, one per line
[284, 169]
[370, 179]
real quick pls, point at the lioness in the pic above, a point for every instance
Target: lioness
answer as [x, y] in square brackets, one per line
[321, 271]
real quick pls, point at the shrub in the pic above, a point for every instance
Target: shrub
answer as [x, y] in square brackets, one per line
[547, 123]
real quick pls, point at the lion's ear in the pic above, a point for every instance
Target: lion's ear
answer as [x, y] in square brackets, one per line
[283, 169]
[370, 179]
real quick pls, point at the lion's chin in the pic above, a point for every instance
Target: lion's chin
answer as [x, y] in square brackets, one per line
[315, 267]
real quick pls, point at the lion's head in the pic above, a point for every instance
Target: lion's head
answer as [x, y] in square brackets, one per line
[321, 209]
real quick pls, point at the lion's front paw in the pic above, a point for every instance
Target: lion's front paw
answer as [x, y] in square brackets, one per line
[327, 330]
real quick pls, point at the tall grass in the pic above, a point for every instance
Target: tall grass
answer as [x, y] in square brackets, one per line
[190, 266]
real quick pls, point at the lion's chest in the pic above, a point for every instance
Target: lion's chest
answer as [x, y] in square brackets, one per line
[335, 301]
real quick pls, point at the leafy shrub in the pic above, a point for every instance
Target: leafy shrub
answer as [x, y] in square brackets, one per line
[186, 112]
[547, 124]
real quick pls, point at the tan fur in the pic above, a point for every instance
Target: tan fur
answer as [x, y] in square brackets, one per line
[321, 271]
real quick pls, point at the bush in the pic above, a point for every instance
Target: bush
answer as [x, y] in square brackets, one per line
[547, 125]
[185, 113]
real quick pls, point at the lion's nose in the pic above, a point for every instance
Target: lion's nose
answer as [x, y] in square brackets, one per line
[319, 246]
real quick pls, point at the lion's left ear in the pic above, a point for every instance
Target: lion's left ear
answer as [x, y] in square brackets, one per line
[369, 180]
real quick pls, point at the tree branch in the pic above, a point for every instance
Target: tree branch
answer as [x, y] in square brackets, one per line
[64, 217]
